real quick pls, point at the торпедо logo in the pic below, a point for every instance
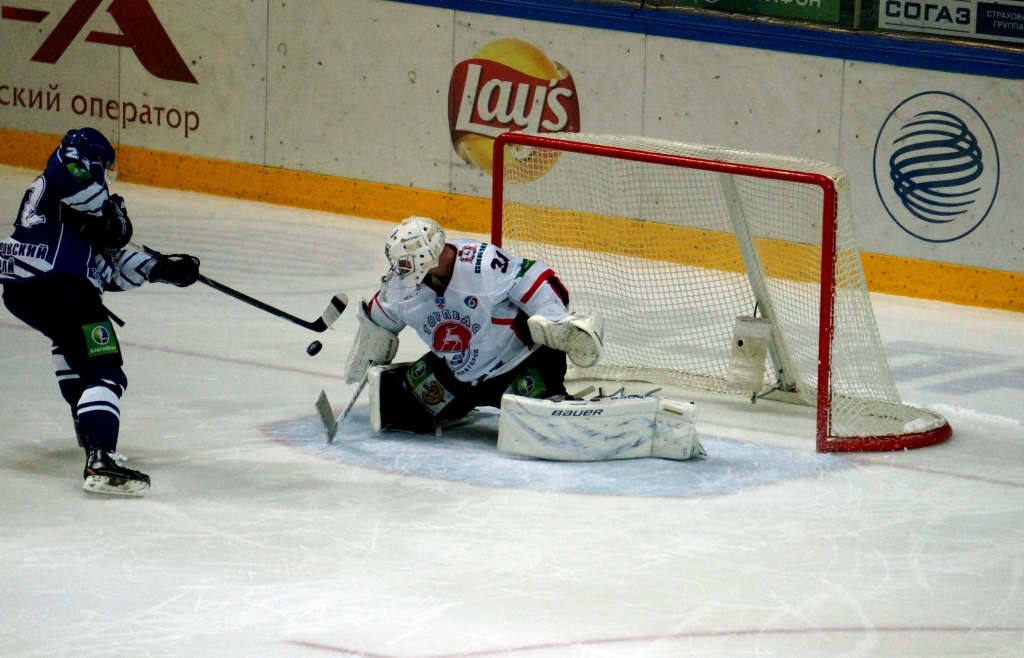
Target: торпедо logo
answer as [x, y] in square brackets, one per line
[936, 166]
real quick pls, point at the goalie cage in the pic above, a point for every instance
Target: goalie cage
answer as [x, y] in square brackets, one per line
[672, 242]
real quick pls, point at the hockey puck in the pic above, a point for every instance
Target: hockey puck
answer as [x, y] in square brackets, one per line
[313, 348]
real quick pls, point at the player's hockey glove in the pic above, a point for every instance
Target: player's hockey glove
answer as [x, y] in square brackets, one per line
[110, 230]
[177, 269]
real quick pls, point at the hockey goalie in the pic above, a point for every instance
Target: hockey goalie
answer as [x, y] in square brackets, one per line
[498, 326]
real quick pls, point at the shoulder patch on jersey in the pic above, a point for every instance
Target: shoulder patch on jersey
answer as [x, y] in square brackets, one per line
[467, 253]
[526, 264]
[78, 172]
[479, 257]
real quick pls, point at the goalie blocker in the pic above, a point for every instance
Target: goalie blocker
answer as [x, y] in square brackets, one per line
[373, 346]
[600, 429]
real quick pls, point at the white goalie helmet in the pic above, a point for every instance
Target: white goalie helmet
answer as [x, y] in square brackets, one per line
[413, 249]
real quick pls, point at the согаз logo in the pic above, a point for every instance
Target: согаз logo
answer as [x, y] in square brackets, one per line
[936, 167]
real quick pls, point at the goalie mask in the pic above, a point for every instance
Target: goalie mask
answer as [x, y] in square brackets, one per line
[412, 250]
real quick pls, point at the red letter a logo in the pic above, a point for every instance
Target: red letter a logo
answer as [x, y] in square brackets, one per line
[142, 32]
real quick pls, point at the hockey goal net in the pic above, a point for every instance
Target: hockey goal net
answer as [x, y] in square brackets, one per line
[672, 242]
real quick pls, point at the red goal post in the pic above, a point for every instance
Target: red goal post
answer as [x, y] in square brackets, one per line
[709, 234]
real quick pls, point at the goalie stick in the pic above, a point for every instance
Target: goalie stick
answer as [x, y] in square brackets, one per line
[323, 409]
[334, 309]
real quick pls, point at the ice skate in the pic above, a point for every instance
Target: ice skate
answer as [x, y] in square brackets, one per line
[104, 475]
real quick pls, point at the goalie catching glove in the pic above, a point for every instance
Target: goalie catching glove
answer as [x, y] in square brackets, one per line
[373, 346]
[579, 335]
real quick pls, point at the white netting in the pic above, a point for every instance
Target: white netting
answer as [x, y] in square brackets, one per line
[658, 251]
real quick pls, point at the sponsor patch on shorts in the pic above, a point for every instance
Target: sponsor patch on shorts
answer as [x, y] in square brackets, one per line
[425, 387]
[529, 384]
[99, 339]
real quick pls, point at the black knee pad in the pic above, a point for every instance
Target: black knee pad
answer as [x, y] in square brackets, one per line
[397, 406]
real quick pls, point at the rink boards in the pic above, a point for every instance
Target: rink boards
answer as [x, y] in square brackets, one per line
[320, 105]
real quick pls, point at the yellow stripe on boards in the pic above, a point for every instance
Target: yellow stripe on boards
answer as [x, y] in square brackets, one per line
[258, 183]
[957, 284]
[300, 189]
[656, 241]
[28, 150]
[893, 275]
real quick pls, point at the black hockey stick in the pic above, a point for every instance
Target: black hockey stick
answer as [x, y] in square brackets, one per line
[332, 313]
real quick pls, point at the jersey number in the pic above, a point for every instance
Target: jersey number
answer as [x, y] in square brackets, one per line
[29, 217]
[500, 262]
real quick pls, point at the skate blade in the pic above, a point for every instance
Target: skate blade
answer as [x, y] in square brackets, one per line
[101, 484]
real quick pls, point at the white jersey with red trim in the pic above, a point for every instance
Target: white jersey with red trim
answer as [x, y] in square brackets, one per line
[478, 326]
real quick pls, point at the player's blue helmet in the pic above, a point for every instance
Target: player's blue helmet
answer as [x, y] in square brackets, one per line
[90, 144]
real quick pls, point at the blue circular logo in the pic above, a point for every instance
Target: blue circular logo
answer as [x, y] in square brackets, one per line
[936, 166]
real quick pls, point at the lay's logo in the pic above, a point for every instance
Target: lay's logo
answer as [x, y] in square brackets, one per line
[508, 85]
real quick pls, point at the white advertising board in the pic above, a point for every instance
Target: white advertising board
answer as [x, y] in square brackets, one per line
[359, 89]
[973, 19]
[934, 161]
[41, 74]
[223, 46]
[743, 98]
[412, 95]
[161, 75]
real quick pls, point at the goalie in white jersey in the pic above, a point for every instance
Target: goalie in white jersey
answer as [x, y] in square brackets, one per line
[494, 323]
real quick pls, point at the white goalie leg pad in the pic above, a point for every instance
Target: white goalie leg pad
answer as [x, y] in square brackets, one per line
[373, 346]
[373, 383]
[577, 430]
[373, 376]
[580, 336]
[675, 431]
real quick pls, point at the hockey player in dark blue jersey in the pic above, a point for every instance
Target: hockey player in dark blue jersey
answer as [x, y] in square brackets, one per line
[67, 249]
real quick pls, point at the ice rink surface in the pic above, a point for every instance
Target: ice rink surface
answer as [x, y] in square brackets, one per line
[260, 539]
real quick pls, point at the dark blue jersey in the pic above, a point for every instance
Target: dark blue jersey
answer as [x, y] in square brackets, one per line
[46, 241]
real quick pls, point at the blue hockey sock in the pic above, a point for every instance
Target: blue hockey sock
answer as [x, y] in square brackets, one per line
[99, 416]
[69, 381]
[99, 408]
